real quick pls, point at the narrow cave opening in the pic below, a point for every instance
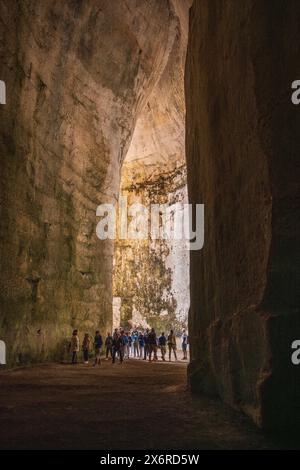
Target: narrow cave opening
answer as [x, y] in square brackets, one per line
[151, 275]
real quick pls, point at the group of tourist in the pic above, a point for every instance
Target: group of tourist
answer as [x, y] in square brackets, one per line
[122, 345]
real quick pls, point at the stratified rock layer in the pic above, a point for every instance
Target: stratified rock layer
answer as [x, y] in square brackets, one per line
[243, 143]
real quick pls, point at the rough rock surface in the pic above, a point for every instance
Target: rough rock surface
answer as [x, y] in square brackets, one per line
[78, 74]
[81, 76]
[243, 163]
[152, 278]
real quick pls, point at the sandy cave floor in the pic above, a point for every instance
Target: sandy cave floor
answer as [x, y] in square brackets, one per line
[136, 405]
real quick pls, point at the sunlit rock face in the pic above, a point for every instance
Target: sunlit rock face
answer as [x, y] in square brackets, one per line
[152, 277]
[78, 76]
[243, 148]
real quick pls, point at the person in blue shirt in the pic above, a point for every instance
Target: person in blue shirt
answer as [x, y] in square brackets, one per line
[162, 343]
[184, 344]
[126, 346]
[135, 342]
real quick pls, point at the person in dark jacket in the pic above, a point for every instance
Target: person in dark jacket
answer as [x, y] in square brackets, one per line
[162, 343]
[98, 346]
[118, 347]
[152, 345]
[108, 345]
[123, 342]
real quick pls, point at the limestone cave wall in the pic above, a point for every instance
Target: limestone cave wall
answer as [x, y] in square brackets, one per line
[242, 144]
[151, 276]
[93, 83]
[78, 73]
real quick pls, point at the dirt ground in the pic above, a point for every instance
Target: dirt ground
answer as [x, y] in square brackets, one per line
[136, 405]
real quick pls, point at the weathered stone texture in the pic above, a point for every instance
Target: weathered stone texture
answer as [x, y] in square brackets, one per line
[243, 148]
[77, 74]
[152, 277]
[90, 82]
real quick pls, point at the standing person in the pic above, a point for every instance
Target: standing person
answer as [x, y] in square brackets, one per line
[86, 348]
[146, 342]
[152, 345]
[184, 343]
[122, 346]
[141, 344]
[126, 346]
[117, 347]
[115, 336]
[108, 346]
[98, 345]
[162, 341]
[116, 333]
[135, 341]
[129, 344]
[75, 346]
[172, 345]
